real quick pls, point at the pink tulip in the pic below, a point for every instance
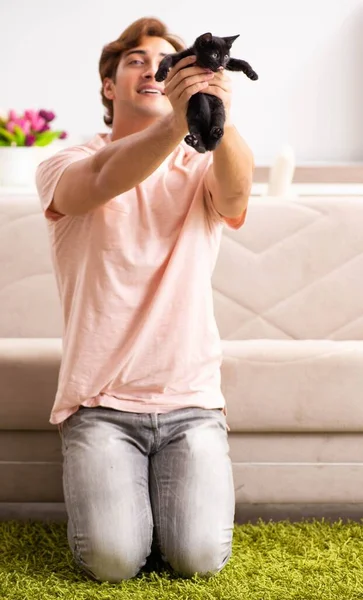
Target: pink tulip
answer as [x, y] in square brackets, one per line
[36, 122]
[26, 127]
[22, 123]
[31, 123]
[10, 126]
[30, 114]
[48, 115]
[39, 124]
[29, 140]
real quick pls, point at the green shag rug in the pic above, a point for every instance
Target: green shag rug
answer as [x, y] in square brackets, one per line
[307, 560]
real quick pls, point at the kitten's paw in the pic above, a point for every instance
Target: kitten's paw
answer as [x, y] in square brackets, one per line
[216, 133]
[161, 74]
[192, 140]
[195, 142]
[252, 75]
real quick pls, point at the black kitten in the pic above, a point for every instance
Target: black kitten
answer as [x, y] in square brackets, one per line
[205, 114]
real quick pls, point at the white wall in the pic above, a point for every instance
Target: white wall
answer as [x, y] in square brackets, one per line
[308, 54]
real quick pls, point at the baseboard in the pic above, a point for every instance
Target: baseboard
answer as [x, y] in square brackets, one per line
[38, 511]
[245, 513]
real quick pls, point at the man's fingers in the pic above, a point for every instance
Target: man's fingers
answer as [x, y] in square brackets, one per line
[189, 87]
[220, 83]
[217, 86]
[194, 75]
[223, 80]
[181, 64]
[193, 89]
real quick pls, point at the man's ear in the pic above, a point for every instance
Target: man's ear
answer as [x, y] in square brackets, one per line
[108, 88]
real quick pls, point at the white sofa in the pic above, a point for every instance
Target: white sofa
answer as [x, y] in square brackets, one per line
[288, 292]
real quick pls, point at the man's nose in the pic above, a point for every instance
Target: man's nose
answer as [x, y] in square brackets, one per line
[150, 72]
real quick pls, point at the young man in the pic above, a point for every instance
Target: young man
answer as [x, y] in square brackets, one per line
[135, 220]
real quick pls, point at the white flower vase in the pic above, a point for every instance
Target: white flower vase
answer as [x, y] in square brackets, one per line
[18, 164]
[281, 173]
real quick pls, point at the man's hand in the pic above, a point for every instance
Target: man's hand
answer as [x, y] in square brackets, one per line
[182, 83]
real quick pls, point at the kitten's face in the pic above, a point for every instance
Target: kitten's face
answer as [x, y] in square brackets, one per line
[213, 52]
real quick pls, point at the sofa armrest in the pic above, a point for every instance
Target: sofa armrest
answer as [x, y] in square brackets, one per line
[293, 385]
[29, 370]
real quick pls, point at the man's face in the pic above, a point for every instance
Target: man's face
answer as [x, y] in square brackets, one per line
[135, 91]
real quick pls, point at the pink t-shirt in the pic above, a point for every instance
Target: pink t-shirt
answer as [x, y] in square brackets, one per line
[134, 278]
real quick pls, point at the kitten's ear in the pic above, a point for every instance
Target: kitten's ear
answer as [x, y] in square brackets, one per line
[206, 38]
[229, 40]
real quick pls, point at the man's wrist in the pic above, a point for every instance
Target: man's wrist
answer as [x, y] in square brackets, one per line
[177, 127]
[228, 123]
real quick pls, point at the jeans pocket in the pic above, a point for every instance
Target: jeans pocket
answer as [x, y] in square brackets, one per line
[223, 418]
[60, 429]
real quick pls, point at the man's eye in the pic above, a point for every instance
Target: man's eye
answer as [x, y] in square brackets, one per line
[134, 62]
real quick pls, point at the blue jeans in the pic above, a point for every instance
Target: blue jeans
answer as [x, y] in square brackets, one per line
[133, 479]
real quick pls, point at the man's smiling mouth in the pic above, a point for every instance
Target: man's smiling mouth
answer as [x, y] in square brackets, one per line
[151, 90]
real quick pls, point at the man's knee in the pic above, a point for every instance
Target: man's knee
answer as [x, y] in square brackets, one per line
[206, 559]
[112, 569]
[112, 565]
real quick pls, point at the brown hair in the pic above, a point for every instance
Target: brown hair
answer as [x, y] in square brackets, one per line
[130, 38]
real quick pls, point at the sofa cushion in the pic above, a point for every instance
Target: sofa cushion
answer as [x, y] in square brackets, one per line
[269, 385]
[293, 386]
[29, 375]
[293, 271]
[29, 299]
